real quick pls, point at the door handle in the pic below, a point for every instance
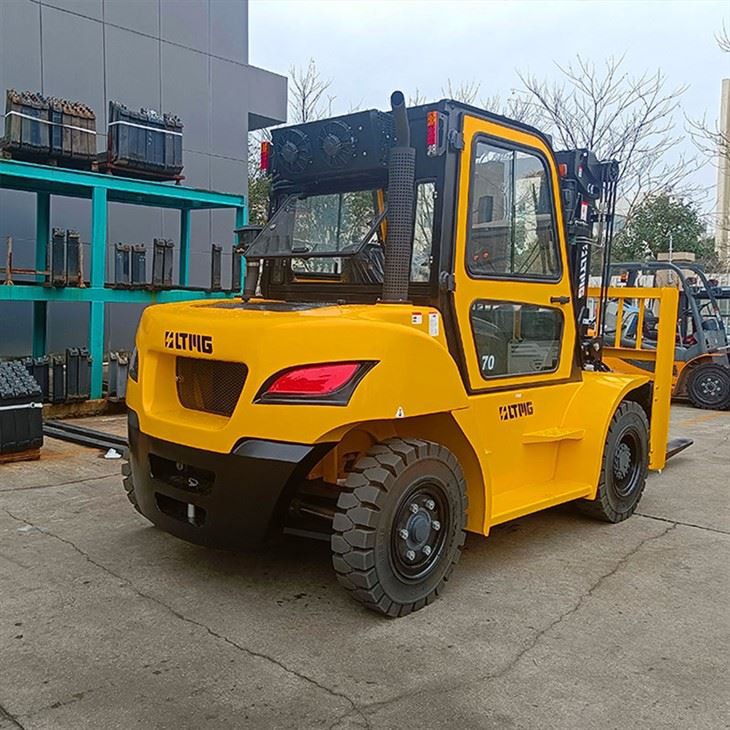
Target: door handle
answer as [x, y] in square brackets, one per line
[559, 300]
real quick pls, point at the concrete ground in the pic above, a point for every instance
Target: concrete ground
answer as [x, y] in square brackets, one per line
[554, 621]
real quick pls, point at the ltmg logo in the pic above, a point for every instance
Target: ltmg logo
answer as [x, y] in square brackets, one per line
[189, 342]
[516, 410]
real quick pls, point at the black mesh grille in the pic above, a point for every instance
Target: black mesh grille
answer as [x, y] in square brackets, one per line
[399, 242]
[212, 386]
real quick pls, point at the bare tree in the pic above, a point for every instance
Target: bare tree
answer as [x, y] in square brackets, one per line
[517, 106]
[617, 116]
[712, 140]
[465, 91]
[416, 98]
[308, 98]
[723, 39]
[713, 143]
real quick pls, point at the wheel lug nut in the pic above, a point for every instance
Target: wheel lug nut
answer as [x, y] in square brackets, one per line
[430, 504]
[410, 555]
[403, 533]
[413, 507]
[426, 550]
[436, 525]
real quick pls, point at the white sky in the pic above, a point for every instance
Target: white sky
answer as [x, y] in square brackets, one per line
[370, 47]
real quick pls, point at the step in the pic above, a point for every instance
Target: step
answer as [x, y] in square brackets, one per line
[553, 435]
[532, 498]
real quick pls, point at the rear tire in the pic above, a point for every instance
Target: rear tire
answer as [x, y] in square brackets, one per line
[399, 525]
[708, 386]
[128, 483]
[624, 467]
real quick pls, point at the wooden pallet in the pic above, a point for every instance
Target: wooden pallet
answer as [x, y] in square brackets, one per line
[27, 455]
[111, 168]
[40, 159]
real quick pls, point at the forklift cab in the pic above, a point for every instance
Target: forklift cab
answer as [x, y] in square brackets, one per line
[502, 282]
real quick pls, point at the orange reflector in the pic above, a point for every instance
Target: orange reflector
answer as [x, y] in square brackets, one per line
[562, 169]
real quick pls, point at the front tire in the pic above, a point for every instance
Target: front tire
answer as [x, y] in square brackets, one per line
[708, 386]
[624, 467]
[399, 526]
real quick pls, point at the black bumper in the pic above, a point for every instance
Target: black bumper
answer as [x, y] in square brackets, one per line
[220, 500]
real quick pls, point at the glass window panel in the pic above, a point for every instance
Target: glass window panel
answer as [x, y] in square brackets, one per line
[423, 232]
[512, 228]
[515, 339]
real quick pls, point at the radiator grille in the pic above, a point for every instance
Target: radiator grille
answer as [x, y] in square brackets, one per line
[212, 386]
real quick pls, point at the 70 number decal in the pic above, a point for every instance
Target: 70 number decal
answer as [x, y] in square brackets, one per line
[487, 362]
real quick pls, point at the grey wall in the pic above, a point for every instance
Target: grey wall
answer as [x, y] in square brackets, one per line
[187, 57]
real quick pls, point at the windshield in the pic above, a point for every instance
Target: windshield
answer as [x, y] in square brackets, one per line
[336, 224]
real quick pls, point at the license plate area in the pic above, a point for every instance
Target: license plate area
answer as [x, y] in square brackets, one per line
[180, 475]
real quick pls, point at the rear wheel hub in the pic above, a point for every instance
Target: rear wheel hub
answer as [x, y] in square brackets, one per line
[418, 539]
[710, 386]
[626, 464]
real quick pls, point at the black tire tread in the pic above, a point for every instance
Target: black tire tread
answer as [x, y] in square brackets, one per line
[128, 483]
[697, 402]
[358, 505]
[600, 508]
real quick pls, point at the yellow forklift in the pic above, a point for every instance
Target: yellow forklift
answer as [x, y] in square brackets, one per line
[410, 357]
[701, 371]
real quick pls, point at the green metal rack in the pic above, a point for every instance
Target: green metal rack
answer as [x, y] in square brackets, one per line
[45, 181]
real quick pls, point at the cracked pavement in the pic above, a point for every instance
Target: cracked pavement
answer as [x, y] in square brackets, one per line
[552, 621]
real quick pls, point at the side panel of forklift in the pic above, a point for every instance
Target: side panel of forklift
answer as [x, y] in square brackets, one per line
[541, 421]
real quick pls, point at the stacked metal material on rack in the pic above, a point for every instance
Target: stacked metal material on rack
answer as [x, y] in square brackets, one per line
[49, 129]
[39, 369]
[78, 374]
[130, 265]
[216, 254]
[144, 142]
[66, 264]
[162, 264]
[61, 378]
[21, 428]
[118, 372]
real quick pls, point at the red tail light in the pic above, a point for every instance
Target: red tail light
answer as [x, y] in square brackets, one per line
[327, 383]
[265, 155]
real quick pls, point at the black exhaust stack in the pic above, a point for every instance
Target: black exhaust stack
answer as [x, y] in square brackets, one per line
[401, 192]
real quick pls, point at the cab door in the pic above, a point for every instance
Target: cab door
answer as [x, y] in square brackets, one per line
[513, 300]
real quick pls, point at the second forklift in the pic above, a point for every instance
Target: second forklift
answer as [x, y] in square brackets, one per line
[701, 371]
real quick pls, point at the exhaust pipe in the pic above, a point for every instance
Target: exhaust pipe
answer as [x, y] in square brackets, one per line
[401, 192]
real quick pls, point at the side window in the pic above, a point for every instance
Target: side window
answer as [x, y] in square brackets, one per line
[512, 232]
[516, 339]
[423, 233]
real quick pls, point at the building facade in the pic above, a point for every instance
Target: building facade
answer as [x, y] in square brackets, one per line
[185, 57]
